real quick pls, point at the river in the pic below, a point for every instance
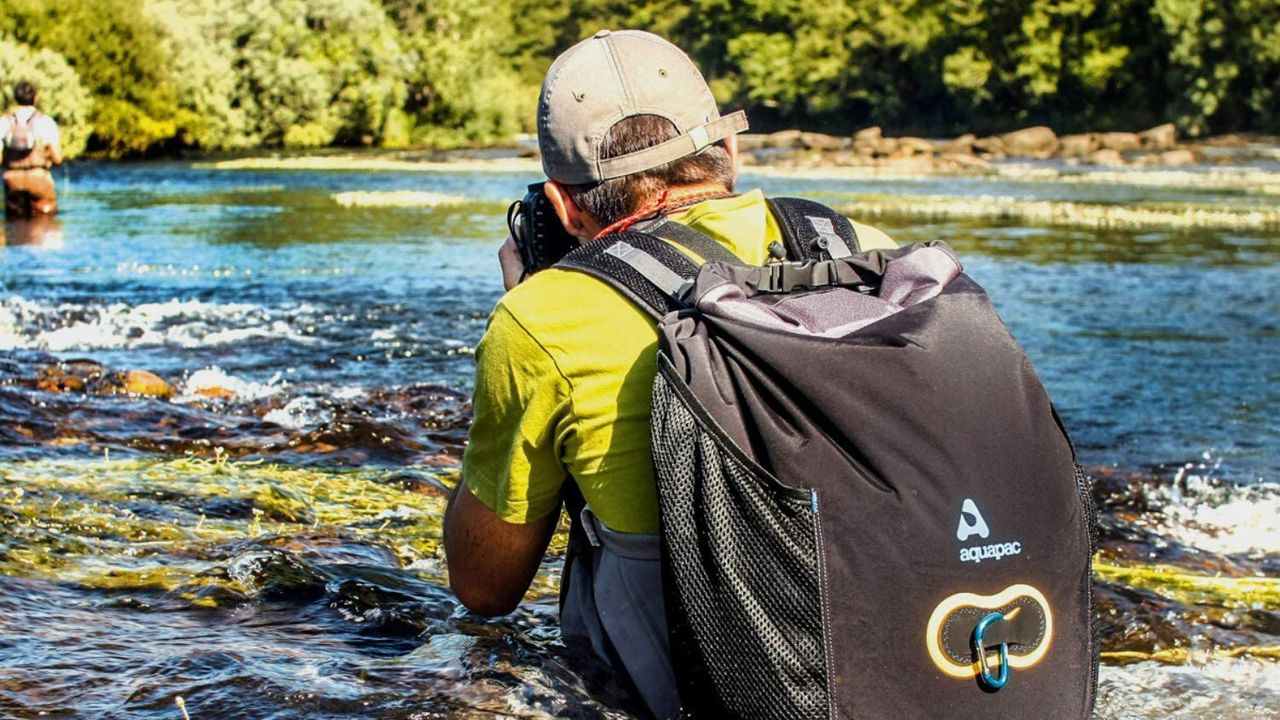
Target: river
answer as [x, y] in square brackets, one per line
[261, 537]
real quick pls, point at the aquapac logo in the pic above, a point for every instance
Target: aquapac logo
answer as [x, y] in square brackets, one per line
[972, 523]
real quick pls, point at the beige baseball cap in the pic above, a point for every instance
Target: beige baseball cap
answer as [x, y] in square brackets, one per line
[614, 75]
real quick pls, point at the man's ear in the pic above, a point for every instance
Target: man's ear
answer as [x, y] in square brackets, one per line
[731, 147]
[578, 223]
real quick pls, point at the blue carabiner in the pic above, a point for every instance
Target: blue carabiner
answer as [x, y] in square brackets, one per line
[997, 682]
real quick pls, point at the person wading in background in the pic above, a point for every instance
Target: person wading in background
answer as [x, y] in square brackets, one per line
[31, 145]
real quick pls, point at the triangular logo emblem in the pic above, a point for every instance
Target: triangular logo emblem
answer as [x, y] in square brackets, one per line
[971, 522]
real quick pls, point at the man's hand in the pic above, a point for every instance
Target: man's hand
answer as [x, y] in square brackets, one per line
[511, 262]
[491, 561]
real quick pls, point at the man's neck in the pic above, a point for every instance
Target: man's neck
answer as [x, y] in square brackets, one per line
[684, 194]
[671, 199]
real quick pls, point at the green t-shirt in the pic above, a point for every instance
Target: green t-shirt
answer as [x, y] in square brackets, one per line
[563, 380]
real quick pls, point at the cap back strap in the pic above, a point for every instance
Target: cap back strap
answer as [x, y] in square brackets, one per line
[687, 144]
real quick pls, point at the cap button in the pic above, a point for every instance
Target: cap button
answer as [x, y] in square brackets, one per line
[603, 34]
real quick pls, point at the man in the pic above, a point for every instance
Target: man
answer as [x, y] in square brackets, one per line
[31, 145]
[629, 134]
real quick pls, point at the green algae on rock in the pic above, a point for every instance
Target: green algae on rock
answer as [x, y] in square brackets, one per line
[209, 532]
[1261, 593]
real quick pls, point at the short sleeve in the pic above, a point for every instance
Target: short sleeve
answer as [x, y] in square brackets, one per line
[872, 238]
[49, 131]
[520, 404]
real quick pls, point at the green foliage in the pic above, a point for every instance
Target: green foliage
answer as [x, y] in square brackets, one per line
[1225, 57]
[299, 73]
[967, 70]
[462, 90]
[61, 92]
[238, 74]
[116, 51]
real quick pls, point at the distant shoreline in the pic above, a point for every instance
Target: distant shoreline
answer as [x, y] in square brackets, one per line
[373, 161]
[867, 153]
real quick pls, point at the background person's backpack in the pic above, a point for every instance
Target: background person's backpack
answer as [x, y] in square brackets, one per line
[21, 141]
[869, 507]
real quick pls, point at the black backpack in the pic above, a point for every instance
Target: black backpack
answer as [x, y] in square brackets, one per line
[869, 507]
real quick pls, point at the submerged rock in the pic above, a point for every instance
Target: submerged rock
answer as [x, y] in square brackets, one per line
[868, 142]
[908, 146]
[990, 146]
[274, 574]
[783, 139]
[1231, 140]
[138, 382]
[868, 136]
[1178, 158]
[216, 392]
[1120, 141]
[819, 141]
[957, 162]
[1160, 137]
[1106, 157]
[1078, 146]
[69, 376]
[962, 145]
[1036, 142]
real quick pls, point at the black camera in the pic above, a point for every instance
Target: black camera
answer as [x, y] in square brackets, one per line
[541, 238]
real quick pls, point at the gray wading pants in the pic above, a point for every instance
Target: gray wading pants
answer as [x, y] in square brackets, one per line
[613, 599]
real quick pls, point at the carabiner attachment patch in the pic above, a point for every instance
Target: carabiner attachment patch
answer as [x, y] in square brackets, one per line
[1022, 633]
[979, 648]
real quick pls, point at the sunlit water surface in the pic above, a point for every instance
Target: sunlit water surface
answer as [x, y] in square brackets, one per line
[263, 540]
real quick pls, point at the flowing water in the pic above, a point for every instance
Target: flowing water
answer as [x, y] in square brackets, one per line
[253, 523]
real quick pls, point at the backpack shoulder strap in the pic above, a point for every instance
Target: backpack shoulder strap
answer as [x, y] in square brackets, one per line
[698, 242]
[813, 231]
[647, 270]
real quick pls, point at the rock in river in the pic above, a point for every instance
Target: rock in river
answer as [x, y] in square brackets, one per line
[1120, 141]
[1036, 142]
[1160, 137]
[1078, 145]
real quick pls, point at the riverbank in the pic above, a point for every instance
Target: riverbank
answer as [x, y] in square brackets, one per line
[1159, 146]
[1231, 197]
[868, 152]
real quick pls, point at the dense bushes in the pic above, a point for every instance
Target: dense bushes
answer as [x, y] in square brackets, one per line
[136, 77]
[941, 66]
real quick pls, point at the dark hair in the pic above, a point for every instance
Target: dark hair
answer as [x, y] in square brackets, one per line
[24, 93]
[612, 200]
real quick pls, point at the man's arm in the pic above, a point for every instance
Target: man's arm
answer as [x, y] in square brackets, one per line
[53, 147]
[491, 562]
[502, 514]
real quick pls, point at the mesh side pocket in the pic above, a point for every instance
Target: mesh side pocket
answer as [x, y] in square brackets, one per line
[741, 572]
